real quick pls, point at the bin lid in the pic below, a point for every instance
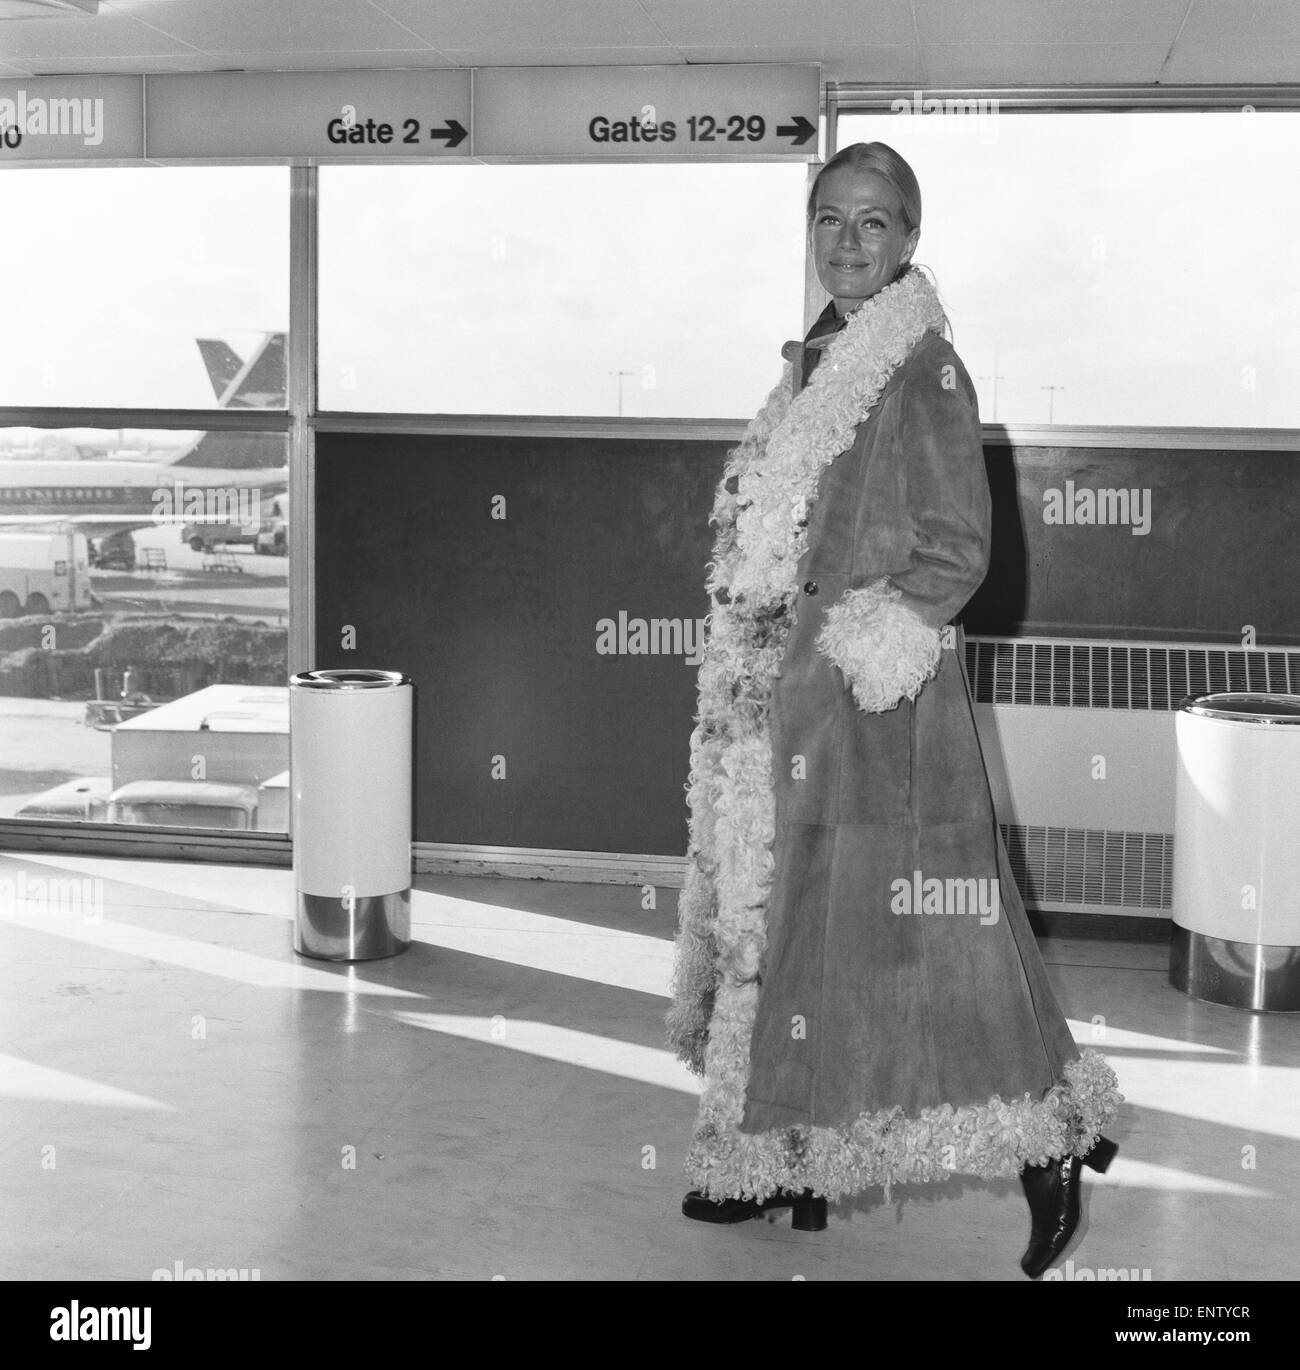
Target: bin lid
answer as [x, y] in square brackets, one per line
[351, 678]
[1246, 707]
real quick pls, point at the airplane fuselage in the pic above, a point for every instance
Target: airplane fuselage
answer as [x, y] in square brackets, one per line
[133, 493]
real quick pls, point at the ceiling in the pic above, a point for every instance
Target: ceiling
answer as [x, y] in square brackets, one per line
[925, 43]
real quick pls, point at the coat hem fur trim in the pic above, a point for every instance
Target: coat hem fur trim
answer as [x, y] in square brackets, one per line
[992, 1140]
[885, 651]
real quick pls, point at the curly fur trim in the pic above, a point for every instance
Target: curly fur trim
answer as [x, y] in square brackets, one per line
[884, 649]
[992, 1140]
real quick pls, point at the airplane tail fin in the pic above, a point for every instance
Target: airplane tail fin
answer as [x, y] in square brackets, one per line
[256, 383]
[223, 363]
[236, 451]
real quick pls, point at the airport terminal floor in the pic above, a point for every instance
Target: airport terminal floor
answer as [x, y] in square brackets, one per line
[182, 1091]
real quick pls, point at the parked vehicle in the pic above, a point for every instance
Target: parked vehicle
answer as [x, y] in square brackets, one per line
[113, 552]
[189, 803]
[206, 537]
[241, 733]
[273, 535]
[43, 572]
[85, 799]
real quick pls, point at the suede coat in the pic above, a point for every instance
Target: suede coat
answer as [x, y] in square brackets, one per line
[912, 1009]
[856, 978]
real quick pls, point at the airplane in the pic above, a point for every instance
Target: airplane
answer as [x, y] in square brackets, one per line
[109, 497]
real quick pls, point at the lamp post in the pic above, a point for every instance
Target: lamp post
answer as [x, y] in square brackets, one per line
[620, 375]
[995, 378]
[1051, 398]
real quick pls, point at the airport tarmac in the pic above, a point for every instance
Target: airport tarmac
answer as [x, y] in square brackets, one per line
[257, 592]
[46, 742]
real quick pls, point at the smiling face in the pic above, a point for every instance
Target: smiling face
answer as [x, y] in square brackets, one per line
[859, 240]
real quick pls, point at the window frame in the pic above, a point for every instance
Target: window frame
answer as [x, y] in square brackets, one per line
[302, 420]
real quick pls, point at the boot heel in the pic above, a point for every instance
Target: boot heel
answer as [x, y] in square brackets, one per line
[809, 1213]
[1101, 1155]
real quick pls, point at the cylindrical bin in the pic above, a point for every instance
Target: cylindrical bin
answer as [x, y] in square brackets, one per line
[350, 812]
[1236, 871]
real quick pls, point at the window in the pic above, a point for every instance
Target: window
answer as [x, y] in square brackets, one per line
[1113, 268]
[144, 287]
[642, 290]
[144, 599]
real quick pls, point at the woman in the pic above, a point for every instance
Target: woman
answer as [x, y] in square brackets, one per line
[856, 978]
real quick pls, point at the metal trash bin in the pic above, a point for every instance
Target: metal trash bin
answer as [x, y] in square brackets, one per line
[1236, 869]
[350, 765]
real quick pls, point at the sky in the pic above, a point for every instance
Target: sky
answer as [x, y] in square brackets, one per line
[1146, 266]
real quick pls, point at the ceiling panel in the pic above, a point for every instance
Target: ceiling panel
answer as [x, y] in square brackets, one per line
[738, 23]
[1257, 19]
[420, 58]
[565, 57]
[961, 64]
[840, 61]
[873, 64]
[1245, 60]
[961, 42]
[484, 25]
[1101, 22]
[108, 34]
[282, 26]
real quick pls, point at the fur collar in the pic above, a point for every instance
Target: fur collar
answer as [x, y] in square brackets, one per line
[776, 469]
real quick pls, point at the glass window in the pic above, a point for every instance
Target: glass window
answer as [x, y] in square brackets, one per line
[144, 601]
[643, 290]
[1113, 268]
[144, 287]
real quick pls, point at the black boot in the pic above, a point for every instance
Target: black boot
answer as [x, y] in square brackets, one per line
[809, 1209]
[1053, 1194]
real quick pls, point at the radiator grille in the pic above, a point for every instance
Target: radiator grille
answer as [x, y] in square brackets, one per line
[1082, 675]
[1087, 866]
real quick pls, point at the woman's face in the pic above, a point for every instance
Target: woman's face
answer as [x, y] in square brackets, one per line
[858, 238]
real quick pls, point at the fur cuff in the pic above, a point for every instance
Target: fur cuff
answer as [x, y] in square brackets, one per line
[884, 649]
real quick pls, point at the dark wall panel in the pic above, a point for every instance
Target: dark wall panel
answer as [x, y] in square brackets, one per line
[496, 619]
[1221, 547]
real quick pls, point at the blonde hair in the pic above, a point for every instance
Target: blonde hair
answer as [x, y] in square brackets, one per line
[887, 164]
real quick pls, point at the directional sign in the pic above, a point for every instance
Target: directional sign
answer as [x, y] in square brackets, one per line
[316, 114]
[71, 118]
[629, 112]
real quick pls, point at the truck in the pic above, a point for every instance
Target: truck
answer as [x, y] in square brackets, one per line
[43, 571]
[273, 535]
[205, 537]
[239, 733]
[270, 536]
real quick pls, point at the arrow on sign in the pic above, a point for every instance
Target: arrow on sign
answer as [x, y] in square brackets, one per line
[455, 133]
[801, 130]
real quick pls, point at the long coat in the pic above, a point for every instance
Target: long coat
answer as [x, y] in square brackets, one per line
[904, 1026]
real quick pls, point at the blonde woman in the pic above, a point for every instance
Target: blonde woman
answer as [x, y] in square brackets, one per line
[856, 979]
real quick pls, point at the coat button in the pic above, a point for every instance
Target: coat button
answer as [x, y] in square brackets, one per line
[810, 588]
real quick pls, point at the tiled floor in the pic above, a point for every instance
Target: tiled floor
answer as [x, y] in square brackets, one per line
[179, 1087]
